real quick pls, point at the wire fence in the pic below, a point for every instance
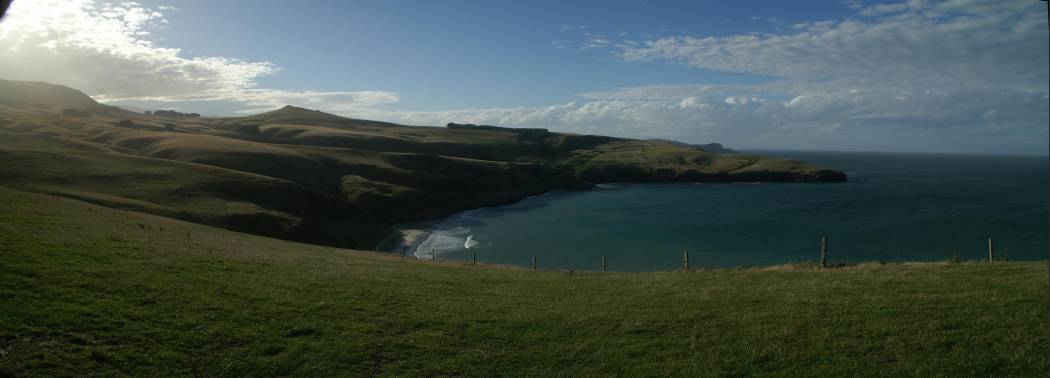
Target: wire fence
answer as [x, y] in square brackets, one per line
[663, 262]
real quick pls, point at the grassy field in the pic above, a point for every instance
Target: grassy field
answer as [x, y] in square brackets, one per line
[87, 289]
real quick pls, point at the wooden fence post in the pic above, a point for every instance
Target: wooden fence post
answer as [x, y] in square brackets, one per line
[475, 253]
[433, 255]
[685, 260]
[823, 252]
[533, 262]
[990, 249]
[403, 249]
[603, 264]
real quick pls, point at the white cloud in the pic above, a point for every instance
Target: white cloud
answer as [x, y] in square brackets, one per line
[260, 100]
[806, 117]
[943, 46]
[884, 8]
[106, 51]
[911, 71]
[958, 75]
[920, 70]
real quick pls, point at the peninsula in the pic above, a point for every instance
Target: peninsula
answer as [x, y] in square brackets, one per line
[309, 176]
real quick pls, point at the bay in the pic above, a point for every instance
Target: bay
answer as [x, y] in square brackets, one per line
[895, 207]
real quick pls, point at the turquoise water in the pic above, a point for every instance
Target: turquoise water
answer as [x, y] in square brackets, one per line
[895, 207]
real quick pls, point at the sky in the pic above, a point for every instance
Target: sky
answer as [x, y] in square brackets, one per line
[957, 76]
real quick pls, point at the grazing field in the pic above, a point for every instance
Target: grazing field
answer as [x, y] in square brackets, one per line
[88, 289]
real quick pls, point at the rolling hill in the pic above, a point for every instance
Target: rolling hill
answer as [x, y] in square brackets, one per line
[310, 176]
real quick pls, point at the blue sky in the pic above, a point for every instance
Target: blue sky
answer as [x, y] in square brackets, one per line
[948, 76]
[489, 53]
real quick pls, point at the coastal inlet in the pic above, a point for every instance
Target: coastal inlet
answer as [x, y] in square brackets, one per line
[896, 207]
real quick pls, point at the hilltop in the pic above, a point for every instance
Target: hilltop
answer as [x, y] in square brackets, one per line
[310, 176]
[43, 97]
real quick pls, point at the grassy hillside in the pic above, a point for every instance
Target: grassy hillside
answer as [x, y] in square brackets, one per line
[310, 176]
[88, 289]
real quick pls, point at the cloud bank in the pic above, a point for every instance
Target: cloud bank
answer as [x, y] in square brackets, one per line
[955, 75]
[107, 51]
[960, 75]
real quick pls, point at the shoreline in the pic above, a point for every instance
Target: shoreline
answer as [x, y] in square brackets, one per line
[407, 234]
[411, 234]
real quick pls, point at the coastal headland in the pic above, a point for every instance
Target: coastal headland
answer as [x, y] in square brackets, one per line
[309, 176]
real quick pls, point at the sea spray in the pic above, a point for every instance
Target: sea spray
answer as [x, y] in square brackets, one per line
[443, 241]
[470, 243]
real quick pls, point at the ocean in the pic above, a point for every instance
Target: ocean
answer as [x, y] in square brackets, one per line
[895, 207]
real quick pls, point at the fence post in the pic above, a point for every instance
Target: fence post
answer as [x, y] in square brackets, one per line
[533, 262]
[685, 260]
[403, 249]
[990, 249]
[475, 253]
[823, 252]
[433, 255]
[603, 264]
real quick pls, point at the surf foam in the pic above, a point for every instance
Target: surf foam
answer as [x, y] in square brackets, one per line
[443, 241]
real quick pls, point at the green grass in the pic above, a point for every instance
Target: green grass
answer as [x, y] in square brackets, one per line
[86, 290]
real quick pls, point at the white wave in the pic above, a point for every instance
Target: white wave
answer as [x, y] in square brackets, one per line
[442, 241]
[470, 243]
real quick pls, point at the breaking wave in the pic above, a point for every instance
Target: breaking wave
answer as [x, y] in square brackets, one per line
[443, 241]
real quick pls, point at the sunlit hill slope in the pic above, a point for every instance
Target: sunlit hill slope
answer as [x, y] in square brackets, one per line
[310, 176]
